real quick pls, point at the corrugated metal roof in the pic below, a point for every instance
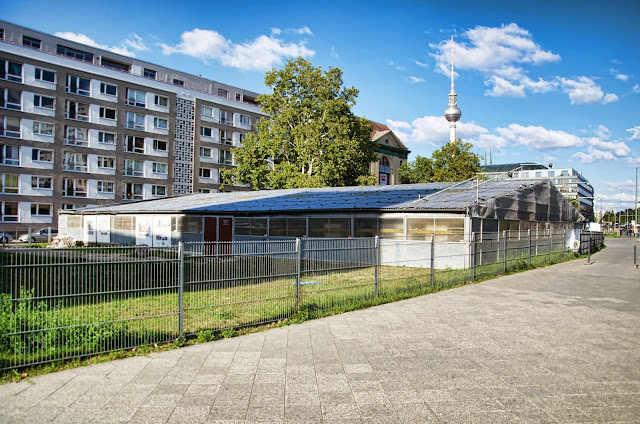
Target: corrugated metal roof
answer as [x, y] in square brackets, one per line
[506, 167]
[432, 196]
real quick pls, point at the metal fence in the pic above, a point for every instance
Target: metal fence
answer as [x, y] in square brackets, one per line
[57, 304]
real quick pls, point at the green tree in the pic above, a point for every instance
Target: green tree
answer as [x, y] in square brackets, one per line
[419, 170]
[310, 137]
[454, 162]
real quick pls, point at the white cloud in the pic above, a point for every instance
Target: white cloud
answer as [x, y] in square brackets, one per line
[633, 161]
[617, 147]
[538, 137]
[636, 88]
[585, 90]
[626, 185]
[603, 132]
[334, 53]
[276, 31]
[492, 48]
[422, 65]
[84, 39]
[136, 43]
[304, 30]
[622, 77]
[503, 88]
[593, 155]
[416, 79]
[635, 133]
[261, 54]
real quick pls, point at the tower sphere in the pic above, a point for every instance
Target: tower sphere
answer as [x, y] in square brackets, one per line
[452, 113]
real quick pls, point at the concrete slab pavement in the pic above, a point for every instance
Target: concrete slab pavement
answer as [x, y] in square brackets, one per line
[557, 344]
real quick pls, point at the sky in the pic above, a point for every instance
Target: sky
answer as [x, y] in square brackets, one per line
[544, 82]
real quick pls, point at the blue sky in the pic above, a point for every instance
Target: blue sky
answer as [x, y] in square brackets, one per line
[539, 81]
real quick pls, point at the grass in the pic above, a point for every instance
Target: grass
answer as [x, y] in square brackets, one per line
[214, 309]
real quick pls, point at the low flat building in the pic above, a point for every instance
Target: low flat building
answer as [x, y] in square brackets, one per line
[450, 211]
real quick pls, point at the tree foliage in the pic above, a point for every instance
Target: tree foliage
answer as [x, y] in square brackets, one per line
[310, 137]
[452, 162]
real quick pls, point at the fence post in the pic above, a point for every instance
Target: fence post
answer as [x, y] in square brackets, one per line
[635, 256]
[298, 271]
[504, 253]
[377, 271]
[180, 288]
[529, 254]
[473, 256]
[433, 252]
[549, 252]
[589, 253]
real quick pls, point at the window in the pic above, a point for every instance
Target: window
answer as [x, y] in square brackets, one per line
[239, 97]
[538, 173]
[132, 191]
[136, 98]
[525, 175]
[77, 85]
[551, 174]
[159, 168]
[245, 120]
[106, 138]
[206, 152]
[40, 209]
[226, 137]
[207, 111]
[40, 155]
[107, 113]
[225, 157]
[158, 190]
[10, 126]
[226, 117]
[75, 53]
[206, 173]
[72, 187]
[108, 89]
[105, 186]
[43, 128]
[161, 101]
[178, 82]
[106, 162]
[45, 75]
[241, 137]
[206, 131]
[76, 136]
[160, 145]
[133, 168]
[9, 155]
[76, 162]
[9, 212]
[222, 92]
[10, 71]
[160, 123]
[31, 42]
[1, 34]
[10, 99]
[204, 190]
[115, 65]
[564, 173]
[134, 144]
[149, 73]
[41, 182]
[76, 110]
[134, 121]
[251, 226]
[9, 184]
[44, 102]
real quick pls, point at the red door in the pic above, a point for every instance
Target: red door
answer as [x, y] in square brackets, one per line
[225, 235]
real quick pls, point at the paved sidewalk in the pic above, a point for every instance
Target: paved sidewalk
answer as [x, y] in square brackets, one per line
[558, 344]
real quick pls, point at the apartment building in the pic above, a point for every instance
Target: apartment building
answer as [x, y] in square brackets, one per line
[82, 126]
[571, 183]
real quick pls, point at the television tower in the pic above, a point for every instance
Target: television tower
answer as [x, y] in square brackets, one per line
[452, 112]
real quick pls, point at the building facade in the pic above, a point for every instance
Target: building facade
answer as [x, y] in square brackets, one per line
[82, 126]
[391, 154]
[571, 183]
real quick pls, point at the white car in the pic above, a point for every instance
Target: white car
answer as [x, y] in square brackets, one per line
[38, 236]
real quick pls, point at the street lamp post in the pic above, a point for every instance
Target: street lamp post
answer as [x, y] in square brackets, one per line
[635, 206]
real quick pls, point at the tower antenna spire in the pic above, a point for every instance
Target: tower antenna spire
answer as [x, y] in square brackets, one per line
[452, 112]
